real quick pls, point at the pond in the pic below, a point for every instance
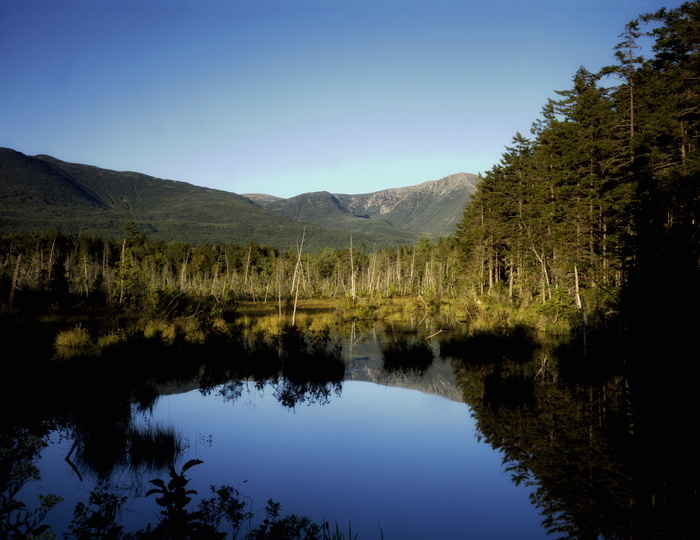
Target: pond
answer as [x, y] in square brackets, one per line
[384, 454]
[380, 460]
[385, 431]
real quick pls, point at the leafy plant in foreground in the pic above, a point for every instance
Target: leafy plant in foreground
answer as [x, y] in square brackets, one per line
[178, 522]
[98, 522]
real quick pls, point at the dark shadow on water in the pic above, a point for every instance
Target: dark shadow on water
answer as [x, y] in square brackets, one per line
[406, 356]
[481, 347]
[600, 428]
[512, 391]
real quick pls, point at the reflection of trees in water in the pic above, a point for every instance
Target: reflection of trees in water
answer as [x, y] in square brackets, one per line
[404, 356]
[588, 437]
[94, 400]
[19, 450]
[301, 366]
[572, 429]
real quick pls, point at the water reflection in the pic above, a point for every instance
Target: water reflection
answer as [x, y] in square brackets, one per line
[565, 444]
[572, 428]
[571, 425]
[407, 356]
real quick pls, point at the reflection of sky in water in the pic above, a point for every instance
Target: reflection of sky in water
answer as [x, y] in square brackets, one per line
[376, 456]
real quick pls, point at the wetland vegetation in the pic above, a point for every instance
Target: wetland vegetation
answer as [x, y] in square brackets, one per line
[563, 307]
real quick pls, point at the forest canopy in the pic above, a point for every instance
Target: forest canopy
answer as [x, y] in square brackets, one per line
[601, 202]
[596, 212]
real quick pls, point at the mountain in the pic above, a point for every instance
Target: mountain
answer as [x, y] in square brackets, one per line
[432, 208]
[42, 192]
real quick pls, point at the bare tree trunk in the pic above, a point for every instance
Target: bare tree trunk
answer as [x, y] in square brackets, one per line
[15, 279]
[295, 279]
[183, 270]
[578, 291]
[352, 271]
[87, 277]
[121, 280]
[53, 245]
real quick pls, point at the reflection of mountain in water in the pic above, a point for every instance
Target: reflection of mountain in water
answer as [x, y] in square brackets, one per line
[364, 360]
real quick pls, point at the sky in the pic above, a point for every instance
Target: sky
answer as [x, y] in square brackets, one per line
[291, 96]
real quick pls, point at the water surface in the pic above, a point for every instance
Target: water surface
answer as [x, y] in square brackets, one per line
[387, 461]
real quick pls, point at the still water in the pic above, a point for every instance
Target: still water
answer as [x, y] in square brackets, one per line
[386, 455]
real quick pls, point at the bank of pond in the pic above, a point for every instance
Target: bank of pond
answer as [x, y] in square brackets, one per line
[419, 423]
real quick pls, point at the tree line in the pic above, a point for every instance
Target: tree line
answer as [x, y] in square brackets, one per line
[602, 201]
[134, 272]
[597, 211]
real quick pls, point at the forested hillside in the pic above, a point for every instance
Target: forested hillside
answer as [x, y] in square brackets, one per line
[44, 192]
[601, 203]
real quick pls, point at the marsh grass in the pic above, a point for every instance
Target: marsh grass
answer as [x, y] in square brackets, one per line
[111, 339]
[73, 342]
[153, 448]
[73, 337]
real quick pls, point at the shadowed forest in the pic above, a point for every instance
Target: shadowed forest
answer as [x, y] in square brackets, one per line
[586, 231]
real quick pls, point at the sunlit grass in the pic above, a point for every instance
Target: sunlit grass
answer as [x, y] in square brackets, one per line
[111, 339]
[74, 337]
[73, 342]
[165, 330]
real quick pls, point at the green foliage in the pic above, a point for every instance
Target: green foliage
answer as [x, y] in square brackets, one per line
[605, 194]
[41, 191]
[560, 305]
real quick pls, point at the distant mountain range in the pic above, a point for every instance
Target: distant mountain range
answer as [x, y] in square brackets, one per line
[41, 192]
[432, 208]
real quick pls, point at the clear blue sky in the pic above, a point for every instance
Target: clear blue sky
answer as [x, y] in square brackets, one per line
[288, 96]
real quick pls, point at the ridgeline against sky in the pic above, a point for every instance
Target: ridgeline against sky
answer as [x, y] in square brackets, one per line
[286, 97]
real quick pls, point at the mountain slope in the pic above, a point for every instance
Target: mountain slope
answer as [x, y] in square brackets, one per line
[42, 191]
[432, 208]
[324, 208]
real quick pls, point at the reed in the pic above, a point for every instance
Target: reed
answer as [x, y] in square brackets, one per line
[111, 339]
[153, 448]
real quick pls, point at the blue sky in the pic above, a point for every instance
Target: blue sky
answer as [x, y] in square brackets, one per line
[288, 96]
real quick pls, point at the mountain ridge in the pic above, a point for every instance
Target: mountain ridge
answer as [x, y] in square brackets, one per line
[38, 192]
[430, 208]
